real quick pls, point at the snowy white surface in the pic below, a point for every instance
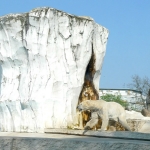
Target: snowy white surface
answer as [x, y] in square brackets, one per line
[135, 115]
[44, 55]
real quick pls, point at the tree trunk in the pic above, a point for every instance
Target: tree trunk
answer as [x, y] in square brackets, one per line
[148, 100]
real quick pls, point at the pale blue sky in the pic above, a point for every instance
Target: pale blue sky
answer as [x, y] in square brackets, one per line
[128, 22]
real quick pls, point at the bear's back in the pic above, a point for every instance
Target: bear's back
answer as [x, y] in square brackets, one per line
[115, 108]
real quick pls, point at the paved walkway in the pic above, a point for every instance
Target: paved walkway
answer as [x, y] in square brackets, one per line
[43, 141]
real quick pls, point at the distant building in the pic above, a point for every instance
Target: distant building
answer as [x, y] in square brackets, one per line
[133, 97]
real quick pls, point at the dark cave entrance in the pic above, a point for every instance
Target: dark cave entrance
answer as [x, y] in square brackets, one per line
[88, 91]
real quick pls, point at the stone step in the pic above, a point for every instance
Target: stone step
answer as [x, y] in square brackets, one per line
[107, 134]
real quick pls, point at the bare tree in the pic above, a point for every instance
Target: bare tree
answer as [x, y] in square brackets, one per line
[141, 84]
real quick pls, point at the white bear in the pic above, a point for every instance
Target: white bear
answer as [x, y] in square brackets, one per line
[104, 110]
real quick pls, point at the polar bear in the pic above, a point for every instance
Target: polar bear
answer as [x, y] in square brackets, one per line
[104, 110]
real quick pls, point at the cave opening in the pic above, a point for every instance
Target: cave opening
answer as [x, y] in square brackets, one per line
[88, 91]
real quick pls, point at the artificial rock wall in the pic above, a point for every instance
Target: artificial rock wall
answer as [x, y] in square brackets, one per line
[46, 56]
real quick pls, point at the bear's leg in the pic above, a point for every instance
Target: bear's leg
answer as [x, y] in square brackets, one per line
[105, 120]
[104, 125]
[93, 121]
[124, 123]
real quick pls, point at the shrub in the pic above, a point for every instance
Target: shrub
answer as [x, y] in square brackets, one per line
[115, 98]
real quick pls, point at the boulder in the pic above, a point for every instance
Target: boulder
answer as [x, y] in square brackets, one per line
[48, 60]
[138, 122]
[145, 113]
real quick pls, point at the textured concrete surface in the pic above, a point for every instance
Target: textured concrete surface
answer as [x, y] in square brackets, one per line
[108, 134]
[37, 141]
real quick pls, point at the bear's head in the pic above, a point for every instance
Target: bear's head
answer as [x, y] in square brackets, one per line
[83, 106]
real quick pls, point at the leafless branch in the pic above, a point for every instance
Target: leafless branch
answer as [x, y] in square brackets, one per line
[140, 84]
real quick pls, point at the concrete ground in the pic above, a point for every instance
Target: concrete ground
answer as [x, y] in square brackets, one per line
[46, 141]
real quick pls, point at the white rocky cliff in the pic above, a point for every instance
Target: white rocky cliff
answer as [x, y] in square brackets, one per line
[44, 57]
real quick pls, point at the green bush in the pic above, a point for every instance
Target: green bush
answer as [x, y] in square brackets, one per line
[115, 98]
